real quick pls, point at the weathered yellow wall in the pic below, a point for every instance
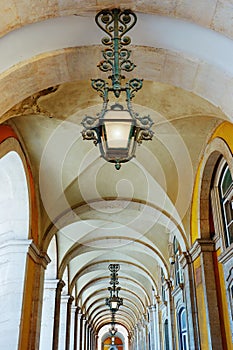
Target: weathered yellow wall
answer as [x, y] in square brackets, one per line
[201, 307]
[225, 324]
[224, 131]
[28, 305]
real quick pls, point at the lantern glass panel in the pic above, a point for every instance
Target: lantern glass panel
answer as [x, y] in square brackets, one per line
[114, 305]
[117, 129]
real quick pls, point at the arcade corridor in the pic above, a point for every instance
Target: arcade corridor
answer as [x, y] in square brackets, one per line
[66, 214]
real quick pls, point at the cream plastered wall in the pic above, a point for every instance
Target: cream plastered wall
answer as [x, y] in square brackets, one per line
[215, 14]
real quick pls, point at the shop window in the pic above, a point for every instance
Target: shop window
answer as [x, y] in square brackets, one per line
[182, 327]
[226, 198]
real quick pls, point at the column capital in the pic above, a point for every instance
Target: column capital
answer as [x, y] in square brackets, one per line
[168, 284]
[185, 259]
[65, 298]
[71, 299]
[158, 299]
[201, 246]
[152, 308]
[15, 246]
[50, 283]
[73, 308]
[60, 285]
[38, 256]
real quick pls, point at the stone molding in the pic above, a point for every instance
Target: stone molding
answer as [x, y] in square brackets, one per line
[185, 259]
[15, 246]
[38, 257]
[50, 283]
[60, 285]
[226, 255]
[177, 290]
[201, 246]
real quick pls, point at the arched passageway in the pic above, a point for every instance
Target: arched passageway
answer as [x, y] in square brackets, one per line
[65, 213]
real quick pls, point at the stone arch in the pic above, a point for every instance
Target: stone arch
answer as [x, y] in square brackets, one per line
[216, 149]
[15, 189]
[14, 233]
[122, 333]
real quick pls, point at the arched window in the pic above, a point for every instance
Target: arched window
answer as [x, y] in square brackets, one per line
[182, 328]
[226, 199]
[163, 282]
[178, 269]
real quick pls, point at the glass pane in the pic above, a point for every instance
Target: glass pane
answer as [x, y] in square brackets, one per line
[184, 342]
[183, 320]
[228, 210]
[227, 205]
[117, 134]
[175, 246]
[226, 181]
[230, 233]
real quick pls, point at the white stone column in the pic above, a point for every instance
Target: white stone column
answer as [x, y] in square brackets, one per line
[171, 315]
[78, 329]
[190, 297]
[62, 322]
[96, 341]
[60, 286]
[158, 324]
[152, 315]
[48, 307]
[205, 248]
[68, 321]
[13, 256]
[137, 338]
[83, 341]
[72, 326]
[144, 334]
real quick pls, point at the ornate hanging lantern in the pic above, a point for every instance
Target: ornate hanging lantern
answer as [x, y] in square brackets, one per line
[117, 128]
[114, 302]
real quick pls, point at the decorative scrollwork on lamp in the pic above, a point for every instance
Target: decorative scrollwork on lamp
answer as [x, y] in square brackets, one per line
[117, 129]
[114, 301]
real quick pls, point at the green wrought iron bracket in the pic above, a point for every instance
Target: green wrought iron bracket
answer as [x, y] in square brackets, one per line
[116, 23]
[116, 59]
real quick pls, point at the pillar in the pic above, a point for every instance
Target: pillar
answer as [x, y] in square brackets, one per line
[190, 298]
[83, 333]
[152, 318]
[22, 266]
[60, 285]
[171, 315]
[63, 322]
[205, 248]
[13, 257]
[135, 339]
[96, 341]
[68, 322]
[72, 327]
[46, 335]
[158, 324]
[77, 329]
[87, 337]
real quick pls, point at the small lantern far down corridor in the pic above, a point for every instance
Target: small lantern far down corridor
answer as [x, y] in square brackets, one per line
[114, 301]
[117, 128]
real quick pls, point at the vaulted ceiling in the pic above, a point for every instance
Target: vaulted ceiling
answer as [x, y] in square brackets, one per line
[91, 214]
